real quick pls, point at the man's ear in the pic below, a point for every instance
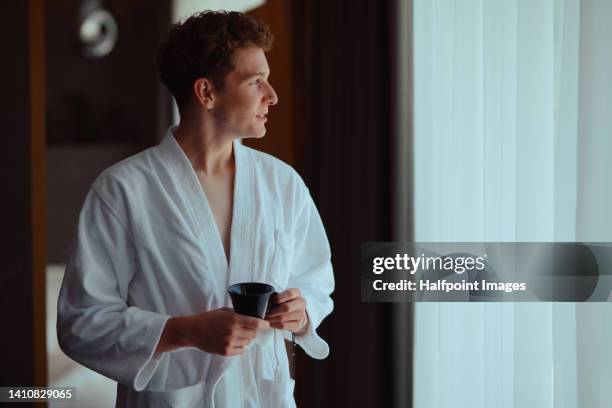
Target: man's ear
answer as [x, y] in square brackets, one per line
[203, 90]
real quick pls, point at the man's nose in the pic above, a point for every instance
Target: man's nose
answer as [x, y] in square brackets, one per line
[272, 98]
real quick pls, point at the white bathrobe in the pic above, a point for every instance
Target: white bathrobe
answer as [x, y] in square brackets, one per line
[148, 248]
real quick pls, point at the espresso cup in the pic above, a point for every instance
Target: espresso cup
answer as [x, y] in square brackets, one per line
[251, 298]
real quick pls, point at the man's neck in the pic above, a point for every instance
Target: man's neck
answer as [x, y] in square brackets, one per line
[209, 151]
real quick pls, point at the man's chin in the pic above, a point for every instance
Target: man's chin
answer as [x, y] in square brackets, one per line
[255, 135]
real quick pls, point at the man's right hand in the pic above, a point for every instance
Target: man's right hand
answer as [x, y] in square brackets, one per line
[225, 332]
[220, 331]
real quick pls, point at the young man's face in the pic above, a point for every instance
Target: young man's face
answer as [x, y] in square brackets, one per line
[242, 105]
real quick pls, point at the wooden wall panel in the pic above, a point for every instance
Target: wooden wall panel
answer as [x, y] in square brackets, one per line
[22, 243]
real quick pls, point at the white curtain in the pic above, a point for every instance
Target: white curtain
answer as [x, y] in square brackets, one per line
[512, 134]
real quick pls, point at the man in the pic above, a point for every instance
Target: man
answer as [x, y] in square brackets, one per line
[163, 233]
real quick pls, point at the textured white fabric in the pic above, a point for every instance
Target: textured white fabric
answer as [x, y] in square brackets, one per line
[503, 144]
[148, 248]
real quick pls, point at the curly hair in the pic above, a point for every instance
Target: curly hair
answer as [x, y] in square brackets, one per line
[203, 46]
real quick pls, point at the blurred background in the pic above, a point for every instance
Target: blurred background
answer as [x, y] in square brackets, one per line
[82, 93]
[426, 120]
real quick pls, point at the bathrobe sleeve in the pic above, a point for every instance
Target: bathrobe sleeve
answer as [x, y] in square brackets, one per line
[95, 325]
[312, 273]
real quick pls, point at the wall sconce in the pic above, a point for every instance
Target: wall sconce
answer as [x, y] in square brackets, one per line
[97, 29]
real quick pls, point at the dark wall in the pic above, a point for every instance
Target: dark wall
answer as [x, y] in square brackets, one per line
[16, 307]
[99, 111]
[70, 171]
[112, 98]
[343, 130]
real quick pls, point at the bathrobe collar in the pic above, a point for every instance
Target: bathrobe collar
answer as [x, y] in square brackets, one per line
[241, 236]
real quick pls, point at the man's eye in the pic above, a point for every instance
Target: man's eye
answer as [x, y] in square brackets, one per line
[257, 82]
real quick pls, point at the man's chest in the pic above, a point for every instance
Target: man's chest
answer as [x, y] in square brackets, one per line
[219, 194]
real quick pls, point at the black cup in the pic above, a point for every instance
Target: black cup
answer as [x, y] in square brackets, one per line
[251, 298]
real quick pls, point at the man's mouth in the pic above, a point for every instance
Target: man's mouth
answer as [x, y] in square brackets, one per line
[262, 116]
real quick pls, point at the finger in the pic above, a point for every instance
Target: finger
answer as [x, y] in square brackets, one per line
[292, 325]
[232, 349]
[236, 351]
[284, 317]
[240, 342]
[227, 309]
[287, 307]
[280, 309]
[253, 322]
[287, 295]
[246, 333]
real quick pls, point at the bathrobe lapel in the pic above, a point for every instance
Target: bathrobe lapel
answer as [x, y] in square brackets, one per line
[241, 234]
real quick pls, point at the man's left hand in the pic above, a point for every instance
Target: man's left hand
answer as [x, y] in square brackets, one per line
[288, 312]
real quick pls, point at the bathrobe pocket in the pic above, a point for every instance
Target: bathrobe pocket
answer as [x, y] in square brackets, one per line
[276, 393]
[286, 389]
[191, 396]
[282, 263]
